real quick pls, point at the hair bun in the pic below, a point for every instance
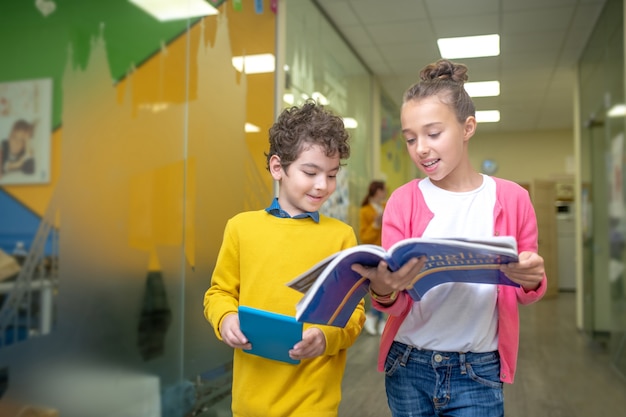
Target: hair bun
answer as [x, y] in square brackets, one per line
[444, 69]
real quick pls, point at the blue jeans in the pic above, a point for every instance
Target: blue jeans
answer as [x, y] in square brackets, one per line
[423, 383]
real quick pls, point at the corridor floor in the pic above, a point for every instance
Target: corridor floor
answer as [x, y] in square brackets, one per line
[560, 374]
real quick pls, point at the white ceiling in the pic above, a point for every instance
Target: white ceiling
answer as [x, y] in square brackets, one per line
[540, 43]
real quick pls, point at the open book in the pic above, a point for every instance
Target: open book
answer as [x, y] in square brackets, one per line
[332, 290]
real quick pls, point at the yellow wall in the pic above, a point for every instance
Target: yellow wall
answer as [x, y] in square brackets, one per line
[145, 174]
[523, 156]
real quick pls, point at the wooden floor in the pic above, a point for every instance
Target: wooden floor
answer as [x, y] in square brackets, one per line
[560, 374]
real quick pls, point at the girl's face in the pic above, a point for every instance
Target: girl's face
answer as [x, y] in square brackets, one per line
[436, 141]
[308, 181]
[380, 195]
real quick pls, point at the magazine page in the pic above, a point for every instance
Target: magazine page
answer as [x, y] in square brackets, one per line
[505, 245]
[333, 290]
[331, 300]
[304, 281]
[457, 261]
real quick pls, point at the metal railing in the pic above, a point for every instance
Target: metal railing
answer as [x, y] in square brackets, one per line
[27, 303]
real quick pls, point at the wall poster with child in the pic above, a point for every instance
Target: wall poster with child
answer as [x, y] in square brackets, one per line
[25, 126]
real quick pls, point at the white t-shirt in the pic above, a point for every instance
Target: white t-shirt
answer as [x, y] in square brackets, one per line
[456, 317]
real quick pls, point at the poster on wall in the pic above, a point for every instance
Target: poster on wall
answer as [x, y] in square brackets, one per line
[25, 126]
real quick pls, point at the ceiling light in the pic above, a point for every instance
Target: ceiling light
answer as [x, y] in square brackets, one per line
[469, 46]
[618, 110]
[254, 64]
[165, 10]
[288, 98]
[320, 98]
[350, 123]
[488, 116]
[483, 88]
[154, 107]
[250, 128]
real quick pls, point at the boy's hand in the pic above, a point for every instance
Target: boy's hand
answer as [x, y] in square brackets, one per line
[528, 272]
[313, 344]
[231, 333]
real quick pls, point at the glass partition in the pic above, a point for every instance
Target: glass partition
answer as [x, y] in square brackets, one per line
[601, 86]
[320, 65]
[134, 125]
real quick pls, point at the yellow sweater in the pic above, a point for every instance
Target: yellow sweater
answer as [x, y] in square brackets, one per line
[259, 254]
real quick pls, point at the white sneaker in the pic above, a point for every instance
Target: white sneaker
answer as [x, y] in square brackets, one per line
[381, 326]
[370, 324]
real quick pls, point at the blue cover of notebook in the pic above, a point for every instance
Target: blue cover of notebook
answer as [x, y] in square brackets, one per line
[272, 335]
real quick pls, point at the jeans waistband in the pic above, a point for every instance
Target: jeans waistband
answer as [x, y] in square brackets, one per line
[440, 357]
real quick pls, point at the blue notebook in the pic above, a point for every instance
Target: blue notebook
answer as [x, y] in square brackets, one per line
[272, 335]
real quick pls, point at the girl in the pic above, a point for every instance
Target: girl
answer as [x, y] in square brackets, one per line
[370, 228]
[448, 354]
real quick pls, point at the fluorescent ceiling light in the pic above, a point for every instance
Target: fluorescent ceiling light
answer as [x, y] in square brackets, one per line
[488, 116]
[320, 98]
[165, 10]
[250, 128]
[469, 46]
[288, 98]
[618, 110]
[483, 88]
[254, 64]
[350, 123]
[154, 107]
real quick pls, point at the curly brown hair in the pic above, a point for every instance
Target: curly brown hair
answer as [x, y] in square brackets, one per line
[300, 127]
[446, 80]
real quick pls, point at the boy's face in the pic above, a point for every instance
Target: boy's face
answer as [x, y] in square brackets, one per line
[17, 141]
[308, 181]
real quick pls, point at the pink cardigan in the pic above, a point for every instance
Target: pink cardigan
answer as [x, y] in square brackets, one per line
[406, 215]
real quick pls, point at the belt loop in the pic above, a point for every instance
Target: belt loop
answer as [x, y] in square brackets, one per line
[405, 357]
[463, 364]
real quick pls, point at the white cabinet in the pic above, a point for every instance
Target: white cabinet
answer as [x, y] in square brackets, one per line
[565, 230]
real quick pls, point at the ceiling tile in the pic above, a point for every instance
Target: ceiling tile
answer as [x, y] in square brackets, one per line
[376, 11]
[537, 20]
[467, 26]
[389, 33]
[541, 41]
[358, 36]
[449, 8]
[340, 11]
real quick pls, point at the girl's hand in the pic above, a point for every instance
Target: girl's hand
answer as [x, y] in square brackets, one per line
[231, 333]
[383, 281]
[528, 272]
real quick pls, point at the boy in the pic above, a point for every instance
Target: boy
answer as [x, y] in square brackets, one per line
[263, 250]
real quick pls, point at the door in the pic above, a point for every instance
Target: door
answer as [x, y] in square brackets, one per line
[543, 195]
